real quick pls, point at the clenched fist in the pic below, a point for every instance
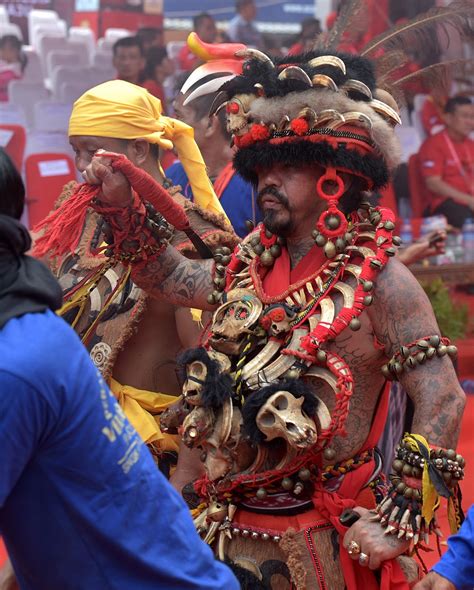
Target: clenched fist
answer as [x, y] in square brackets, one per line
[115, 188]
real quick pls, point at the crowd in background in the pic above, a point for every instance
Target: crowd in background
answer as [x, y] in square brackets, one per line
[437, 178]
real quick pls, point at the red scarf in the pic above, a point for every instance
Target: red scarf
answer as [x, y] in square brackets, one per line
[279, 278]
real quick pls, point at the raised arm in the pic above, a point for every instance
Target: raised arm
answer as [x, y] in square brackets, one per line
[401, 314]
[164, 272]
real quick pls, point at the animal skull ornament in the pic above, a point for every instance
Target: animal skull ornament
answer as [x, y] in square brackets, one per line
[225, 451]
[235, 320]
[282, 416]
[196, 373]
[197, 426]
[237, 110]
[174, 415]
[276, 319]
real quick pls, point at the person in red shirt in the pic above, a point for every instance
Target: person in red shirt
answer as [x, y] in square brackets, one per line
[447, 163]
[310, 29]
[205, 26]
[12, 63]
[129, 59]
[158, 67]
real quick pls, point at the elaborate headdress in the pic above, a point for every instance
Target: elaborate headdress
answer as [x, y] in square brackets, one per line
[323, 107]
[314, 108]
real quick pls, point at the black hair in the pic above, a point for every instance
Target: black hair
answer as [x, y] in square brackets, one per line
[154, 58]
[12, 189]
[239, 4]
[199, 18]
[201, 107]
[148, 34]
[217, 386]
[128, 42]
[456, 101]
[10, 40]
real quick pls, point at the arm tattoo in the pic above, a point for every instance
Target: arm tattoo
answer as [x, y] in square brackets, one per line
[402, 314]
[178, 280]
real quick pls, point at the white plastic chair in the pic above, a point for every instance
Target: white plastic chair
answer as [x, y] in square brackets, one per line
[4, 17]
[38, 142]
[26, 95]
[418, 124]
[66, 58]
[105, 45]
[114, 34]
[33, 70]
[419, 101]
[410, 141]
[103, 60]
[46, 44]
[67, 74]
[52, 117]
[83, 35]
[69, 92]
[12, 114]
[7, 28]
[40, 17]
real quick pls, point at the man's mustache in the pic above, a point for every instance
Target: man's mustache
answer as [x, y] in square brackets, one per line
[272, 190]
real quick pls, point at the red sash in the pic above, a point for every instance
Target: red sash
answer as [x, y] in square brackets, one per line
[281, 275]
[223, 179]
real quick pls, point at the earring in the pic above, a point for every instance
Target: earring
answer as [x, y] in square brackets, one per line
[331, 226]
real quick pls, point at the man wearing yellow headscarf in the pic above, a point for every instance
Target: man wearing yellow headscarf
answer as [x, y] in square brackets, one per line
[133, 339]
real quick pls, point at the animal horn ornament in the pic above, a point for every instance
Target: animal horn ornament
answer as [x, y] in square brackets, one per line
[332, 224]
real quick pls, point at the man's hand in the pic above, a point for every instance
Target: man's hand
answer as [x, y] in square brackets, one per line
[432, 245]
[434, 581]
[372, 541]
[115, 188]
[7, 577]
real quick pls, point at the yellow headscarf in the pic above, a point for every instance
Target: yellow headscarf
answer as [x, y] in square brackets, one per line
[125, 111]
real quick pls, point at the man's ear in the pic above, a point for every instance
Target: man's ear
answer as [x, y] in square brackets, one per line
[138, 150]
[213, 127]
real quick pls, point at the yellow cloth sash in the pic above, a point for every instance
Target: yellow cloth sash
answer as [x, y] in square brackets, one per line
[143, 409]
[126, 111]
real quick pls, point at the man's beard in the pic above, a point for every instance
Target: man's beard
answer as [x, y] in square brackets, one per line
[270, 216]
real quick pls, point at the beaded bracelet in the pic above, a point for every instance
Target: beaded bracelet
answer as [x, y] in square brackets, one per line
[420, 476]
[135, 233]
[416, 353]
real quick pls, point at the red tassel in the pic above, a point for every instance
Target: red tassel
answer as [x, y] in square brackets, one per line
[64, 225]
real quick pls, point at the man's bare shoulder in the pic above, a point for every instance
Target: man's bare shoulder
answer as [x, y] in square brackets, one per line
[401, 311]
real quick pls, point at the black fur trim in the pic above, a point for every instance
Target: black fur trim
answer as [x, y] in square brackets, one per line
[255, 71]
[218, 386]
[303, 152]
[255, 401]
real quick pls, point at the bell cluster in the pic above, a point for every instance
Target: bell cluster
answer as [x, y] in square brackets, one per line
[409, 357]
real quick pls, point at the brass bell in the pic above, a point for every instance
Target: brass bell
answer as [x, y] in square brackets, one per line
[267, 259]
[330, 249]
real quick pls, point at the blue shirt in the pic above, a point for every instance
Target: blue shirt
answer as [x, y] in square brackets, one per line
[244, 31]
[457, 564]
[82, 504]
[239, 199]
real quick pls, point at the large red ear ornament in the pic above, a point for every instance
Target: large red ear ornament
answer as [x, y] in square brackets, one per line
[332, 223]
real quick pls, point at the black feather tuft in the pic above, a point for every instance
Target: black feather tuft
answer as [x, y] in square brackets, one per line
[255, 401]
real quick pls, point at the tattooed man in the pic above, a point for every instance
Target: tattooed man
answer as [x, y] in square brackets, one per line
[287, 396]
